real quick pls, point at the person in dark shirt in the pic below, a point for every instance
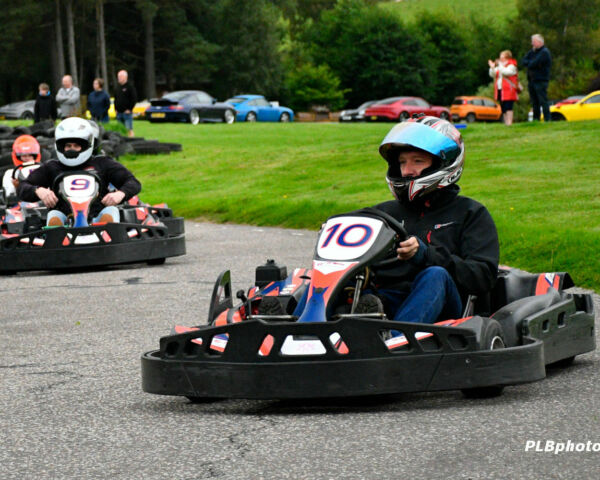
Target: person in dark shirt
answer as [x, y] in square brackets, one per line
[453, 248]
[98, 102]
[45, 105]
[125, 99]
[74, 145]
[538, 62]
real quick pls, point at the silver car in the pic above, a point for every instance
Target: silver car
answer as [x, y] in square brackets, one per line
[22, 110]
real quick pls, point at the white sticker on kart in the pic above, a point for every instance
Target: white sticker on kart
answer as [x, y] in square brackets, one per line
[347, 238]
[79, 186]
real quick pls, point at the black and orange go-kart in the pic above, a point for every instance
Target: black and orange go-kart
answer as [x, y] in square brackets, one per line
[300, 336]
[145, 234]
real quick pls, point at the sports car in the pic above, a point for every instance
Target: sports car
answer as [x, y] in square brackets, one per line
[588, 108]
[145, 233]
[306, 335]
[400, 109]
[355, 114]
[193, 106]
[22, 110]
[256, 108]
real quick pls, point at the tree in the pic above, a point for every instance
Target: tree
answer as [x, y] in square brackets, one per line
[71, 41]
[311, 85]
[148, 10]
[101, 41]
[59, 48]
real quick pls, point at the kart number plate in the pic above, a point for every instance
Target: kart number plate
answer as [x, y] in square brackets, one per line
[157, 115]
[347, 238]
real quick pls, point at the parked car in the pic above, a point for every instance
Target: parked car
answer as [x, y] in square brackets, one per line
[588, 108]
[193, 106]
[570, 100]
[112, 113]
[139, 110]
[399, 109]
[256, 108]
[471, 108]
[20, 110]
[355, 114]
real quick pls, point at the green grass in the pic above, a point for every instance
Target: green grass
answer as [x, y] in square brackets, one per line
[539, 181]
[493, 10]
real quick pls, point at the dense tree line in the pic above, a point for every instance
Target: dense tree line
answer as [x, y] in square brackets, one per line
[302, 52]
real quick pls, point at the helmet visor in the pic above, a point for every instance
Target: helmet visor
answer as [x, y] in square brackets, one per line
[423, 137]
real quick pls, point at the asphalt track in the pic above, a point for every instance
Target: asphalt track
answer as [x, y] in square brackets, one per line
[72, 406]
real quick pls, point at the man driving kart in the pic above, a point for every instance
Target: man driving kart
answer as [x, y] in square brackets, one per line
[74, 144]
[453, 248]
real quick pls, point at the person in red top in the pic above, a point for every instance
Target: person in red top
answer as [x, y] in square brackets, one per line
[504, 73]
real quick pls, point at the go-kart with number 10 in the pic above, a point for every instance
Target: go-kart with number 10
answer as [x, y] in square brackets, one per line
[306, 336]
[141, 237]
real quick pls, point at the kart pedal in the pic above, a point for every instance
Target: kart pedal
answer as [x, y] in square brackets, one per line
[270, 306]
[369, 303]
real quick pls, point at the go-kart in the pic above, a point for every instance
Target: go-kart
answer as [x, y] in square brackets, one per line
[141, 236]
[302, 336]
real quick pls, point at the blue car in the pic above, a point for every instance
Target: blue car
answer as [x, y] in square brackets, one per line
[193, 106]
[256, 108]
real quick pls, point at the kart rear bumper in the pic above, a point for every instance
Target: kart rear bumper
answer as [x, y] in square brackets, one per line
[369, 369]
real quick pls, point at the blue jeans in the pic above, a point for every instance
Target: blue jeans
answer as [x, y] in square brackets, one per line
[433, 296]
[126, 119]
[114, 211]
[538, 93]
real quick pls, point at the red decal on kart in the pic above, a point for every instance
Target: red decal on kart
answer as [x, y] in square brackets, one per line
[546, 281]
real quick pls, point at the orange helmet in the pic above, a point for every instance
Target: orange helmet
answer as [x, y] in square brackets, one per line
[25, 145]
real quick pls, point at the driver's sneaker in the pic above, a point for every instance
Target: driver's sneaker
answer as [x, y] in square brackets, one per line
[369, 303]
[106, 218]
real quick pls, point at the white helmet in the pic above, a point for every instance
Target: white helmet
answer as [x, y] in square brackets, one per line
[433, 135]
[74, 130]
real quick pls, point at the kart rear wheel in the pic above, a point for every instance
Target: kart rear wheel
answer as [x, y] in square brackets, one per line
[203, 399]
[492, 338]
[156, 261]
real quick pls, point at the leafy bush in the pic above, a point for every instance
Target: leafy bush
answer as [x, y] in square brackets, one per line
[310, 85]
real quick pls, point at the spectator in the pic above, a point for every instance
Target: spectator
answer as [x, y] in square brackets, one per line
[538, 62]
[45, 105]
[125, 99]
[504, 72]
[68, 98]
[98, 102]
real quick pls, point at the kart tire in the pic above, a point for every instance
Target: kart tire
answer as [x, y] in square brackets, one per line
[492, 338]
[471, 117]
[565, 362]
[203, 399]
[156, 261]
[229, 116]
[284, 117]
[194, 117]
[251, 117]
[444, 116]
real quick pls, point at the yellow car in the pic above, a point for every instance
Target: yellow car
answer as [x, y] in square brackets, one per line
[112, 113]
[588, 108]
[139, 111]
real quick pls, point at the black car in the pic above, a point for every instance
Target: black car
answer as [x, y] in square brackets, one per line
[193, 106]
[356, 114]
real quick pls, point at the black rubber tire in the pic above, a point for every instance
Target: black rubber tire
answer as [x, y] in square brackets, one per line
[444, 116]
[251, 117]
[404, 116]
[492, 338]
[194, 117]
[156, 261]
[229, 117]
[471, 117]
[565, 362]
[284, 117]
[26, 115]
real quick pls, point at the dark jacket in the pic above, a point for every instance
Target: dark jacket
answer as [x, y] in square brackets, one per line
[460, 236]
[109, 171]
[45, 108]
[125, 97]
[538, 63]
[98, 103]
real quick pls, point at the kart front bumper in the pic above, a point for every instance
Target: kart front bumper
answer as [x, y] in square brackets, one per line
[184, 368]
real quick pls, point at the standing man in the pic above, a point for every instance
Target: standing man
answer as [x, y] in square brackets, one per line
[68, 98]
[538, 62]
[125, 98]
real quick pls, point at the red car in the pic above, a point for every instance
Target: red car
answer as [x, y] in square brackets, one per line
[399, 109]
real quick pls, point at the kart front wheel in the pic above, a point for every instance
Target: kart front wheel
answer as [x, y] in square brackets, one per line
[492, 338]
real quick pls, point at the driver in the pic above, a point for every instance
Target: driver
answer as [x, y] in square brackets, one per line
[25, 152]
[74, 144]
[452, 250]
